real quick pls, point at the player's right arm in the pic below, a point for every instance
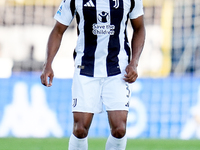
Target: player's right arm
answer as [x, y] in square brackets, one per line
[53, 45]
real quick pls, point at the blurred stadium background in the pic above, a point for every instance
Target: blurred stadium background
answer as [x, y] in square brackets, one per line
[165, 100]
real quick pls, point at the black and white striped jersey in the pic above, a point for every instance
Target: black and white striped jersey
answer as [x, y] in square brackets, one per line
[102, 48]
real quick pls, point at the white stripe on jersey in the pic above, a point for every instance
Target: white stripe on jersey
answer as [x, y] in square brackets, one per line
[101, 50]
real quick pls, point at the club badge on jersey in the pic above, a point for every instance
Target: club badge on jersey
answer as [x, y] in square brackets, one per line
[116, 4]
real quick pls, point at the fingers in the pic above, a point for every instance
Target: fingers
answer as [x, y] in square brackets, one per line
[131, 75]
[130, 78]
[50, 80]
[44, 79]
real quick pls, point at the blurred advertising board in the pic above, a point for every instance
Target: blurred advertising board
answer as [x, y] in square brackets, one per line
[159, 108]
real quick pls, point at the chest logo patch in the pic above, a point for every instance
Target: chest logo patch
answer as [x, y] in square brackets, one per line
[103, 17]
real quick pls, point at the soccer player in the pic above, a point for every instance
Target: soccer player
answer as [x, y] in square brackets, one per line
[104, 63]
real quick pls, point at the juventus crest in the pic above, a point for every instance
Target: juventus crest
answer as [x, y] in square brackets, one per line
[116, 4]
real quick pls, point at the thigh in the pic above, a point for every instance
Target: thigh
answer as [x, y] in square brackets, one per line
[82, 121]
[117, 119]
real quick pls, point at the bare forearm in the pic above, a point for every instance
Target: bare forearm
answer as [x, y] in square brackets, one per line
[54, 42]
[137, 44]
[52, 46]
[138, 39]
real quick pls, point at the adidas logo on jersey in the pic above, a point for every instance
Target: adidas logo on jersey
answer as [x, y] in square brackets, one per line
[89, 4]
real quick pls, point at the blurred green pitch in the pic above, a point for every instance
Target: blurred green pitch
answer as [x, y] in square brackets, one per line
[96, 144]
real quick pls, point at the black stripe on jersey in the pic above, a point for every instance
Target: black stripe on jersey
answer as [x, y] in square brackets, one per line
[112, 60]
[132, 5]
[77, 18]
[72, 7]
[89, 14]
[126, 44]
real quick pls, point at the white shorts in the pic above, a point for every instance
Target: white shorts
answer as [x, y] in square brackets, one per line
[90, 94]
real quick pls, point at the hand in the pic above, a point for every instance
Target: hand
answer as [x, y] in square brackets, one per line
[131, 74]
[47, 73]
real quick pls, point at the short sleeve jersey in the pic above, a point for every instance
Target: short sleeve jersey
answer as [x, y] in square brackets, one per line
[102, 47]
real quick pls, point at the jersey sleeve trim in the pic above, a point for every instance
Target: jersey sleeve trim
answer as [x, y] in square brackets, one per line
[137, 10]
[64, 14]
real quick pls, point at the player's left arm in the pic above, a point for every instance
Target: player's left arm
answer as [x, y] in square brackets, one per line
[137, 44]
